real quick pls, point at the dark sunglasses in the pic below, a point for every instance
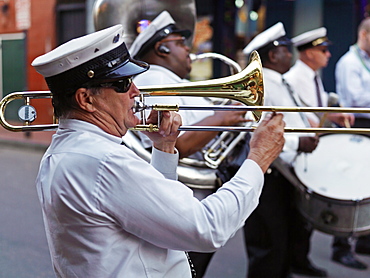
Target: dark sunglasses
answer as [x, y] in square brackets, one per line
[120, 86]
[323, 50]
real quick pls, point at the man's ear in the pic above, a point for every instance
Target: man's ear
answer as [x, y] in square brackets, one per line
[85, 99]
[272, 56]
[309, 53]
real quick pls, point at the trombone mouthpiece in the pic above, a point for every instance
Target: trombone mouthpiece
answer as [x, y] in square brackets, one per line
[139, 106]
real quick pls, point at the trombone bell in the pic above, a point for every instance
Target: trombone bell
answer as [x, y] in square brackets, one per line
[245, 87]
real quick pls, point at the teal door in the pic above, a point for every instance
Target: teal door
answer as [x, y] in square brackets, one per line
[13, 69]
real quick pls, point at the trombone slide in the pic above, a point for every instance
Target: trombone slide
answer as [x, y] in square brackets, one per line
[175, 107]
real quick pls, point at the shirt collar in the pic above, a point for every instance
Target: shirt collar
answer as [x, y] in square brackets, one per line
[307, 70]
[79, 125]
[273, 75]
[361, 52]
[170, 74]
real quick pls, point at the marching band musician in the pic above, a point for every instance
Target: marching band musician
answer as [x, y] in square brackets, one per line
[276, 224]
[163, 46]
[107, 212]
[304, 78]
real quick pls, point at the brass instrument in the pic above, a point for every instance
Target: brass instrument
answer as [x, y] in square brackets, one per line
[233, 66]
[107, 13]
[245, 87]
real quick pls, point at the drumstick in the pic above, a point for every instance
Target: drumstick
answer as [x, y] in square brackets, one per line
[346, 123]
[323, 119]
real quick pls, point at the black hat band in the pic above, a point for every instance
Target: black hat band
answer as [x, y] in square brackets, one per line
[94, 69]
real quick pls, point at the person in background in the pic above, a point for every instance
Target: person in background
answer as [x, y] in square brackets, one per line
[107, 212]
[164, 47]
[352, 77]
[276, 224]
[304, 76]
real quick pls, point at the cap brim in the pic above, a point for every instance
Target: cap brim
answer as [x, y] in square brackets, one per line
[326, 43]
[184, 33]
[131, 68]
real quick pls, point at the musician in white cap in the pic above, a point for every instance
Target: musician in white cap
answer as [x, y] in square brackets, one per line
[107, 212]
[164, 47]
[276, 225]
[304, 76]
[305, 79]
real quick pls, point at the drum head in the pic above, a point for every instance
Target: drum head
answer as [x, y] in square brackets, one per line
[338, 168]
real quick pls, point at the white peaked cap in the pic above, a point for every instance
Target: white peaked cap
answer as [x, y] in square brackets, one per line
[271, 34]
[162, 26]
[311, 38]
[97, 56]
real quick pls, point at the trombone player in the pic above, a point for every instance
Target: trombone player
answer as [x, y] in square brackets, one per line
[106, 211]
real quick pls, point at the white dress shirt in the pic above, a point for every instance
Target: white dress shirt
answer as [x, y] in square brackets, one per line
[157, 75]
[302, 80]
[352, 76]
[108, 213]
[277, 94]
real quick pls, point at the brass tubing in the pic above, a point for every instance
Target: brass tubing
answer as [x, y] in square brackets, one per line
[153, 128]
[26, 96]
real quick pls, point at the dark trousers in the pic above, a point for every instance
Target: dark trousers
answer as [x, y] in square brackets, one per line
[276, 235]
[200, 262]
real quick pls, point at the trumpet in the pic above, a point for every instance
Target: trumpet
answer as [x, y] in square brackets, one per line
[245, 87]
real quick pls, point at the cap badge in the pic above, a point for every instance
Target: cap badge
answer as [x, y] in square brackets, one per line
[90, 73]
[116, 38]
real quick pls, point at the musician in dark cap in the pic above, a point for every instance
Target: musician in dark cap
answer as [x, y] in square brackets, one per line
[276, 225]
[107, 212]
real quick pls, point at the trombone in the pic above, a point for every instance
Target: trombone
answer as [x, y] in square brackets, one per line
[245, 87]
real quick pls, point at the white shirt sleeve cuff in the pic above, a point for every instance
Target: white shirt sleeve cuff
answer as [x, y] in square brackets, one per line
[166, 163]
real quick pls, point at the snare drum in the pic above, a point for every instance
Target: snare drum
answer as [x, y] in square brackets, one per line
[334, 189]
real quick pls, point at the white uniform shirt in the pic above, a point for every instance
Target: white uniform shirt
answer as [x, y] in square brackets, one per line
[157, 75]
[352, 76]
[302, 80]
[277, 94]
[108, 213]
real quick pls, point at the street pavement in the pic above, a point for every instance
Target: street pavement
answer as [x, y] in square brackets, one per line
[23, 247]
[231, 260]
